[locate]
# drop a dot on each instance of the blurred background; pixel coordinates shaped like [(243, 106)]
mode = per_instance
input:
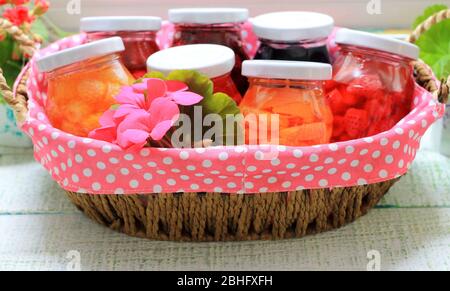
[(369, 14)]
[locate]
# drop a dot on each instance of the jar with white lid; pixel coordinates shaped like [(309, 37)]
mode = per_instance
[(82, 84), (373, 83), (221, 26), (137, 32), (293, 36), (292, 93), (214, 61)]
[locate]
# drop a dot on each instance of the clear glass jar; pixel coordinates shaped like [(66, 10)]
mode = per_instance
[(293, 94), (82, 84), (373, 84), (214, 61), (137, 33), (221, 26), (293, 36)]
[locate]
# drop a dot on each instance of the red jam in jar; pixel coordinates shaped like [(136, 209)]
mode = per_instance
[(293, 93), (137, 33), (293, 36), (221, 26), (373, 85), (214, 61), (82, 84)]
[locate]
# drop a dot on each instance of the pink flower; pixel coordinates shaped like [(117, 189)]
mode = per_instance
[(146, 110), (18, 15)]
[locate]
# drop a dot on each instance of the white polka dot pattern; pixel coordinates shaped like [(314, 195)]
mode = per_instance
[(103, 168)]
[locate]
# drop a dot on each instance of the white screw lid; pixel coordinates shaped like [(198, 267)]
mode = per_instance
[(80, 53), (208, 15), (209, 59), (293, 26), (120, 23), (289, 70), (377, 42)]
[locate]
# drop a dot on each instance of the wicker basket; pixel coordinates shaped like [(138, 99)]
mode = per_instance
[(226, 217)]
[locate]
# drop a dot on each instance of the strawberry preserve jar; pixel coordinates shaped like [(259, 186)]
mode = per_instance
[(293, 36), (292, 93), (82, 84), (373, 84), (137, 33), (221, 26), (214, 61)]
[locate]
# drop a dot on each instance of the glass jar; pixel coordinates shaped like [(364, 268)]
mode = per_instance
[(373, 84), (293, 36), (82, 84), (221, 26), (214, 61), (137, 33), (286, 104)]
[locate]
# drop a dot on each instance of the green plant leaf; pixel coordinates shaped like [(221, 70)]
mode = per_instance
[(427, 13), (221, 104), (197, 82), (40, 29), (435, 48)]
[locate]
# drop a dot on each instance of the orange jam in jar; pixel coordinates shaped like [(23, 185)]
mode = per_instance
[(286, 103), (82, 84)]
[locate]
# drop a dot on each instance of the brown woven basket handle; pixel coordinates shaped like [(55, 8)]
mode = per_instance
[(440, 93), (27, 46)]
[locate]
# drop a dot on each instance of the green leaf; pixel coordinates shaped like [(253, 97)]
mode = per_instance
[(435, 48), (427, 13), (221, 104), (40, 29), (197, 82)]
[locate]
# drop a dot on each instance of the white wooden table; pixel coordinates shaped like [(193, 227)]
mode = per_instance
[(41, 230)]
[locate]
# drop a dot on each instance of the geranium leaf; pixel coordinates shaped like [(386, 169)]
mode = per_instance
[(427, 13), (435, 48)]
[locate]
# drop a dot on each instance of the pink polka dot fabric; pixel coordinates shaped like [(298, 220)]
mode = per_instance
[(88, 166)]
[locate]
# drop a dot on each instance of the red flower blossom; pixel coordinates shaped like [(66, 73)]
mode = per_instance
[(40, 7), (18, 15)]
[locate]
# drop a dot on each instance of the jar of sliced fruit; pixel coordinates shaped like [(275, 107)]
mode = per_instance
[(373, 84), (82, 84), (285, 103)]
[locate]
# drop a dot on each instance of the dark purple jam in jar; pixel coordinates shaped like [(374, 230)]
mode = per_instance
[(293, 36)]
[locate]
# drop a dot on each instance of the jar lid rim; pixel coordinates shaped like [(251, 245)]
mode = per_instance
[(291, 26), (209, 59), (290, 70), (346, 36), (120, 23), (80, 53), (208, 15)]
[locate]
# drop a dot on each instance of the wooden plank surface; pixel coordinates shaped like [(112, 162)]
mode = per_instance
[(407, 239), (39, 227)]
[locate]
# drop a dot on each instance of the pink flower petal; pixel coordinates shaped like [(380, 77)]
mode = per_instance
[(133, 138), (186, 98), (140, 88), (176, 86), (125, 110), (128, 96), (161, 129), (163, 109), (107, 119), (105, 133), (155, 88)]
